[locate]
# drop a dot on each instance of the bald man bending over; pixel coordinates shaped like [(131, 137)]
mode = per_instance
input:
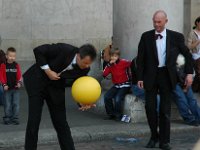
[(156, 61)]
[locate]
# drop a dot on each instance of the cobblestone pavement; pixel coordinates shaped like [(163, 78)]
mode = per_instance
[(179, 141)]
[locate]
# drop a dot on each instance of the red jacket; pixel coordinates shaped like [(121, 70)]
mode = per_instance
[(4, 74), (119, 71)]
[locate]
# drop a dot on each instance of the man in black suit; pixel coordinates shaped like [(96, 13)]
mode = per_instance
[(156, 61), (57, 66)]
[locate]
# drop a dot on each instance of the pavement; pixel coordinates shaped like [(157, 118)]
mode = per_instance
[(85, 126), (182, 141)]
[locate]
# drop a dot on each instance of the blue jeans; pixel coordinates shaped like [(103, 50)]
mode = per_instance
[(116, 94), (140, 93), (187, 104), (1, 95), (11, 105)]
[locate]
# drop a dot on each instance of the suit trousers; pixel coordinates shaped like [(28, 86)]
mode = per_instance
[(55, 99), (162, 87)]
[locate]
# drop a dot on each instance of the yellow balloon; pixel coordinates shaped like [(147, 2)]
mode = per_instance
[(86, 90)]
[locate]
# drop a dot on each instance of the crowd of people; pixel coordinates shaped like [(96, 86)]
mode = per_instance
[(157, 75)]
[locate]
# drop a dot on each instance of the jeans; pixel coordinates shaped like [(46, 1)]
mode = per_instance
[(187, 104), (116, 94), (1, 95), (11, 105), (140, 94)]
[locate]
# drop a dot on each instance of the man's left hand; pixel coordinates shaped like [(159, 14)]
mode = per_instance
[(188, 80), (86, 106)]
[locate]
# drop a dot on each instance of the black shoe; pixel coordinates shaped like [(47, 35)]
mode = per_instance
[(151, 143), (165, 146), (194, 123), (110, 117), (15, 122), (7, 122)]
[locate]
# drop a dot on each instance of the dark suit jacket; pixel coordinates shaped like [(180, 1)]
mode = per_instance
[(58, 57), (147, 59)]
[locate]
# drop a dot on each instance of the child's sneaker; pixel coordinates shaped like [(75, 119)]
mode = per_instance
[(126, 118), (7, 122), (15, 122)]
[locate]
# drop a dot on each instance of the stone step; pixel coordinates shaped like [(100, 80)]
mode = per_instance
[(134, 107)]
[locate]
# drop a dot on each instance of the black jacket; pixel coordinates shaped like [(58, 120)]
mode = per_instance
[(147, 59), (58, 57)]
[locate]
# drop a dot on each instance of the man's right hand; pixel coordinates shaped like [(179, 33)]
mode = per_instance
[(140, 84), (51, 74), (5, 88)]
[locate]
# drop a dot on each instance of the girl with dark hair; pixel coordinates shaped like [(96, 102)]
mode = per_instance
[(194, 46)]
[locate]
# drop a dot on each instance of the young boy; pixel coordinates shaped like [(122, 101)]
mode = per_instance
[(119, 69), (10, 76)]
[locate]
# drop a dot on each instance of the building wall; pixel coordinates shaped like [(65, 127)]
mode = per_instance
[(133, 17), (25, 24), (195, 10), (187, 17), (191, 12)]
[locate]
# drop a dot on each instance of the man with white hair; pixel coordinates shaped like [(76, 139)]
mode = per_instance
[(156, 73)]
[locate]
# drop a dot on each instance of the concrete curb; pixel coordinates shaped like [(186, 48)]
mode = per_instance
[(87, 134)]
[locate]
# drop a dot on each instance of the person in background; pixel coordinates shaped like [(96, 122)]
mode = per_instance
[(194, 46), (119, 69), (11, 80), (184, 97), (2, 60)]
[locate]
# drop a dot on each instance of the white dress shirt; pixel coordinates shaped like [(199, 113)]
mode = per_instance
[(161, 48)]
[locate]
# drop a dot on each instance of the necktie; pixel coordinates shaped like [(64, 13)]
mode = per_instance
[(158, 36)]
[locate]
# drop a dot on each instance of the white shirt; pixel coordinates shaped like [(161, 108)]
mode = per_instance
[(69, 67), (161, 48), (197, 55)]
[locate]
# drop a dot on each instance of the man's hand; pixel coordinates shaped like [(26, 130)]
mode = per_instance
[(18, 85), (5, 88), (51, 74), (86, 106), (140, 84), (188, 80)]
